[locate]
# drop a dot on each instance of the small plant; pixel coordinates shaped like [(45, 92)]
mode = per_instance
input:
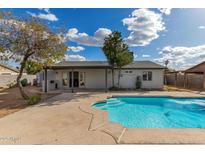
[(138, 83), (114, 88), (24, 82), (167, 88), (34, 100)]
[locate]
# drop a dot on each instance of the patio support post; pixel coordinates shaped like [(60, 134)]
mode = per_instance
[(106, 80), (45, 80), (72, 82)]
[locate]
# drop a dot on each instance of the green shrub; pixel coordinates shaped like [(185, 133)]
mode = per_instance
[(138, 83), (34, 100), (114, 88), (24, 82)]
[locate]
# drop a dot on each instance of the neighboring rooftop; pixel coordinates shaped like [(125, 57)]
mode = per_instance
[(197, 68), (10, 68), (104, 64), (144, 64)]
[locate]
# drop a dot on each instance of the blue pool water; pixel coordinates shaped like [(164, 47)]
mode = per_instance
[(155, 112)]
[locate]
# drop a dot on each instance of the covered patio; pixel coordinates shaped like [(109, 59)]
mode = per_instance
[(73, 71)]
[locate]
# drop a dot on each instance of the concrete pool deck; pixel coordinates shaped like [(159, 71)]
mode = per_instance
[(70, 119)]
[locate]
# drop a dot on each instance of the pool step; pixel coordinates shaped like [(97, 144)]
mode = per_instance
[(114, 102)]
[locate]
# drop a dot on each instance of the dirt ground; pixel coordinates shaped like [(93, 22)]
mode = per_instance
[(11, 100)]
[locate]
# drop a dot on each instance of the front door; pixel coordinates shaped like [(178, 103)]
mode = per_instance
[(75, 79)]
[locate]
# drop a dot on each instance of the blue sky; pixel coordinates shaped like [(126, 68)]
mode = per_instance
[(152, 34)]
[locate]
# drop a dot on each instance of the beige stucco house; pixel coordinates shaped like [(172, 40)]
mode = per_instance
[(71, 75)]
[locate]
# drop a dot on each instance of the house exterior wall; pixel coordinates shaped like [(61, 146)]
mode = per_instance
[(95, 78), (9, 80), (157, 80), (128, 80)]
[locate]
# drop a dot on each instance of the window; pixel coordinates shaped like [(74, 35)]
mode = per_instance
[(147, 76)]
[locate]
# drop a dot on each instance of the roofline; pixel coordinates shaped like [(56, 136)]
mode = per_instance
[(94, 67), (77, 67), (101, 67), (12, 69), (187, 70)]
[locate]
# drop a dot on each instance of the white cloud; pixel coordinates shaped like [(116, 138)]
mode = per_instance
[(76, 49), (74, 58), (47, 15), (145, 56), (166, 11), (47, 10), (182, 57), (201, 27), (135, 56), (144, 25), (83, 38)]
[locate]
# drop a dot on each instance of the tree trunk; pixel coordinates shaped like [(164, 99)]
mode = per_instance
[(119, 73), (23, 63), (113, 83)]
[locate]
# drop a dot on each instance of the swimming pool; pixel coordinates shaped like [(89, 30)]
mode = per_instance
[(155, 112)]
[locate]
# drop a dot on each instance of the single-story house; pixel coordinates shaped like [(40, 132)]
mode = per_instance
[(98, 75), (7, 70)]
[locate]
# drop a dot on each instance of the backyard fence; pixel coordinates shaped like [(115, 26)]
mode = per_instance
[(9, 80), (190, 81)]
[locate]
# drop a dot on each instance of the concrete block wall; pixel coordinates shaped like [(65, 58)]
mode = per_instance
[(5, 80)]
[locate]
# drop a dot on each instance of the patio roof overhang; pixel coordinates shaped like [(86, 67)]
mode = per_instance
[(92, 67)]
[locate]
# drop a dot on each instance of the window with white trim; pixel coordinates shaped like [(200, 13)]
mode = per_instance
[(147, 76)]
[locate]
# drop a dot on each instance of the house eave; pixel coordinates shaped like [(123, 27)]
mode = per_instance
[(92, 67)]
